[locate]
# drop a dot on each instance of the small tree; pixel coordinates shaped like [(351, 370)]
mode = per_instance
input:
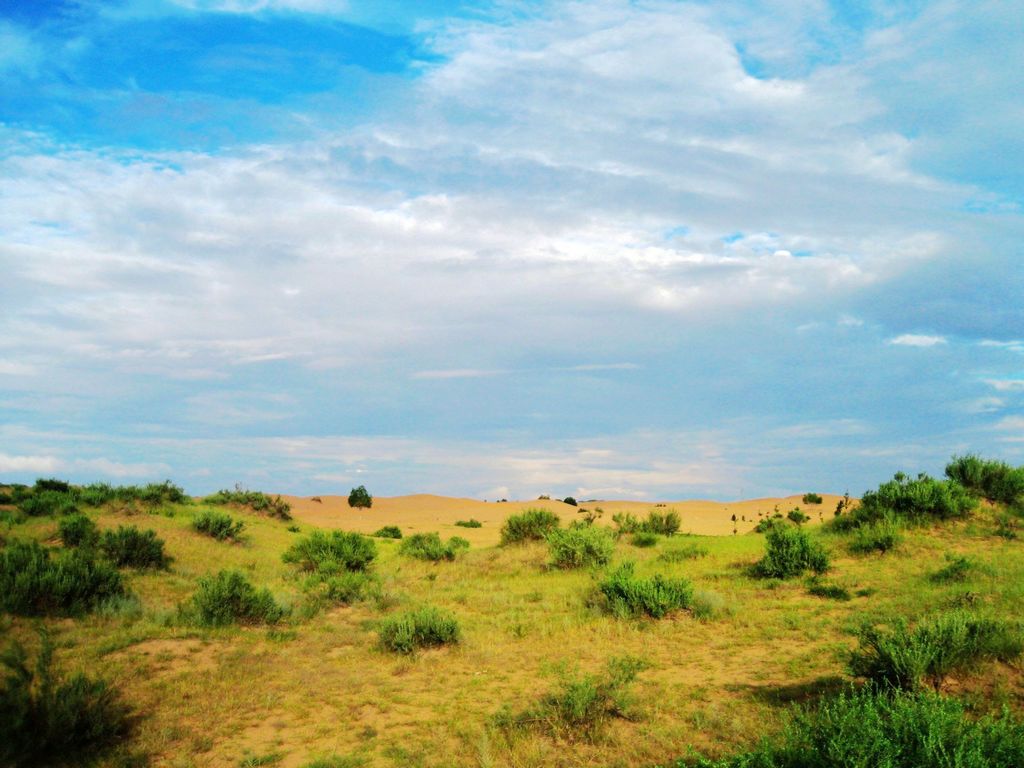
[(360, 497)]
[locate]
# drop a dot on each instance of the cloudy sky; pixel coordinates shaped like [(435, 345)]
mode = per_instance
[(641, 249)]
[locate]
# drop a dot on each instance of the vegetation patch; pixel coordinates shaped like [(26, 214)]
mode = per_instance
[(78, 530), (580, 546), (958, 568), (389, 532), (644, 539), (994, 480), (626, 595), (227, 597), (797, 516), (471, 523), (274, 506), (218, 525), (910, 501), (812, 498), (333, 552), (129, 547), (882, 536), (48, 502), (531, 525), (360, 498), (828, 590), (428, 546), (657, 522), (424, 627), (686, 552), (33, 583), (790, 552)]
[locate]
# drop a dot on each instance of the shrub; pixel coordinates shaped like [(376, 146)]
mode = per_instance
[(51, 484), (765, 525), (644, 539), (569, 500), (626, 595), (428, 546), (48, 502), (390, 532), (424, 627), (995, 480), (360, 497), (228, 598), (128, 546), (679, 554), (32, 583), (6, 498), (330, 553), (471, 523), (951, 642), (812, 498), (78, 531), (957, 569), (797, 516), (581, 706), (274, 506), (346, 587), (708, 606), (788, 553), (910, 501), (901, 730), (662, 523), (880, 536), (46, 721), (625, 522), (580, 547), (531, 525), (219, 525)]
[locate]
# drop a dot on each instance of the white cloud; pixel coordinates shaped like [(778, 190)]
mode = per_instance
[(917, 340), (457, 373), (1006, 385), (107, 468), (41, 464)]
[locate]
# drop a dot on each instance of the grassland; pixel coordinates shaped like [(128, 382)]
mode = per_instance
[(318, 685)]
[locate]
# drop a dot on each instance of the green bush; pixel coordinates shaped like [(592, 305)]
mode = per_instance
[(812, 498), (390, 532), (951, 642), (78, 530), (424, 627), (274, 506), (797, 516), (98, 494), (531, 525), (581, 706), (686, 552), (346, 587), (428, 546), (360, 497), (219, 525), (471, 523), (227, 597), (47, 721), (580, 547), (130, 547), (789, 552), (995, 480), (330, 553), (644, 539), (627, 595), (882, 535), (661, 523), (32, 583), (708, 606), (862, 729), (48, 502), (910, 501), (51, 484), (570, 501)]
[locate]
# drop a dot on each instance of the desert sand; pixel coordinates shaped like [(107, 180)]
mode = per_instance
[(421, 513)]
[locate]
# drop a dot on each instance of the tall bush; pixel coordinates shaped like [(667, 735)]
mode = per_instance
[(34, 583), (530, 525), (580, 547), (328, 553), (129, 547), (789, 552)]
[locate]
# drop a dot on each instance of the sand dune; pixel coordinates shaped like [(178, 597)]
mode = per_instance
[(425, 512)]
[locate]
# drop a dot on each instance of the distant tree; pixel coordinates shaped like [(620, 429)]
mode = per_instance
[(360, 497), (569, 500)]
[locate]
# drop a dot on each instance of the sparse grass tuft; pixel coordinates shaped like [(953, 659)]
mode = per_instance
[(531, 525), (580, 547), (685, 552), (958, 568), (424, 627), (627, 595)]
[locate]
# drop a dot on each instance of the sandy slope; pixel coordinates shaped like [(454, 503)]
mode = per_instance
[(424, 512)]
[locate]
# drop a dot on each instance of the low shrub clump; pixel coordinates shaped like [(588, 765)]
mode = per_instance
[(471, 523), (995, 480), (98, 494), (679, 554), (46, 720), (428, 546), (910, 501), (129, 547), (900, 730), (660, 523), (883, 535), (47, 501), (227, 598), (581, 706), (789, 552), (797, 516), (531, 525), (644, 539), (329, 553), (812, 498), (78, 530), (424, 627), (274, 506), (708, 606), (627, 595), (946, 644), (32, 583), (219, 525), (389, 532), (579, 547), (347, 587), (958, 568)]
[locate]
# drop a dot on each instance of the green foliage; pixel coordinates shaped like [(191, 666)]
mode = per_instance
[(51, 484), (330, 553), (424, 627), (360, 497), (708, 606), (797, 516), (78, 530), (47, 721), (530, 525), (812, 498), (958, 568), (661, 523), (580, 547), (219, 525), (346, 587), (569, 500), (274, 506), (471, 523), (950, 642), (765, 525), (98, 494), (390, 532), (428, 546), (644, 539), (901, 730), (685, 552), (627, 595), (337, 761), (129, 547), (48, 501), (227, 597), (910, 501), (789, 552), (995, 480), (581, 706), (882, 535), (32, 583)]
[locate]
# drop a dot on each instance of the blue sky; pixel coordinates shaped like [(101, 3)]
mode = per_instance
[(608, 249)]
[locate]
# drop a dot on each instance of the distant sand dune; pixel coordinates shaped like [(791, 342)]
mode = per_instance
[(425, 512)]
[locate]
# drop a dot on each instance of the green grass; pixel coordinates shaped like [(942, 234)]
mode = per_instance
[(330, 553), (428, 546), (627, 595), (580, 546), (425, 627)]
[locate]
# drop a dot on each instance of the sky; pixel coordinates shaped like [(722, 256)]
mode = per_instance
[(610, 249)]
